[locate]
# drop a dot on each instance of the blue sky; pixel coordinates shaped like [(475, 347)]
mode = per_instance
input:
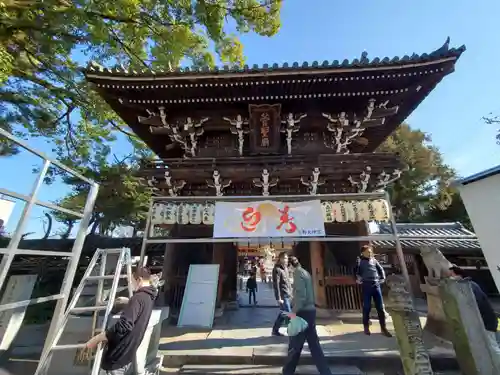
[(331, 29)]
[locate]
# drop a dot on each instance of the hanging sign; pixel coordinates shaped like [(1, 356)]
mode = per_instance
[(268, 219)]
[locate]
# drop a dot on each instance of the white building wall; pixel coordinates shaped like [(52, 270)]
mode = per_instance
[(482, 201)]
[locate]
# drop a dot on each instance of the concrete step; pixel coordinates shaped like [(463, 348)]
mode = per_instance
[(257, 370), (276, 370), (386, 364)]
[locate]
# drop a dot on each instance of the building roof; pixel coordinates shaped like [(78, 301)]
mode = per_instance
[(400, 83), (426, 231), (444, 52), (479, 176)]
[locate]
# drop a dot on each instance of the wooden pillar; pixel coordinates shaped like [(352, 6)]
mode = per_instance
[(167, 272), (218, 258), (168, 260), (362, 231), (318, 273)]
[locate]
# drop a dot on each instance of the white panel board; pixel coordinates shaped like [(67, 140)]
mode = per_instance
[(19, 288), (200, 295), (482, 201)]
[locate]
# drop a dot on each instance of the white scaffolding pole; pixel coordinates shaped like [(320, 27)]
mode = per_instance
[(13, 247), (399, 248), (146, 234)]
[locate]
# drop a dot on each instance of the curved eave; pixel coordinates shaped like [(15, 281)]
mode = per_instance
[(118, 75), (444, 54)]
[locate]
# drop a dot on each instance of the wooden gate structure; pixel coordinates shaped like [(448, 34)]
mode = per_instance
[(296, 132)]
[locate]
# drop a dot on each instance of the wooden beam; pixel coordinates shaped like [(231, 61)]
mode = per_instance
[(218, 258), (317, 273)]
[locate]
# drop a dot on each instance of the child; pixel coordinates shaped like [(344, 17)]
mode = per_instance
[(252, 288)]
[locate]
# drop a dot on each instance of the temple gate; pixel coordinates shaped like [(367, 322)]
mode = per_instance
[(281, 133)]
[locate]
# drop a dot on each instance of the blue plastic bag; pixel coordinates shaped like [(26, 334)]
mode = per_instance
[(296, 325)]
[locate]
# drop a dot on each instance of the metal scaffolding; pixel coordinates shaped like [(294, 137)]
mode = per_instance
[(338, 238), (147, 239), (12, 249)]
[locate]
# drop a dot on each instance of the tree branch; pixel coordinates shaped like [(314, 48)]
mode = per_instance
[(127, 49), (117, 127)]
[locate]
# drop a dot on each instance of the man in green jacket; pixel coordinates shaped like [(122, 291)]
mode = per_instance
[(304, 307)]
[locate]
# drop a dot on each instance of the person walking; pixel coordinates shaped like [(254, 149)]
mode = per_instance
[(370, 274), (304, 307), (124, 337), (252, 289), (485, 308), (262, 270), (282, 291)]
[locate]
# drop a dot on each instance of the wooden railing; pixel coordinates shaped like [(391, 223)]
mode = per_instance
[(342, 292), (175, 292)]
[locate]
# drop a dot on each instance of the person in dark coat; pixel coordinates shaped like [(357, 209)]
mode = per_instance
[(370, 274), (252, 288), (282, 291), (304, 307), (485, 308), (124, 337)]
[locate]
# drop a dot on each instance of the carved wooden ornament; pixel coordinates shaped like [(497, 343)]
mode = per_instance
[(265, 123)]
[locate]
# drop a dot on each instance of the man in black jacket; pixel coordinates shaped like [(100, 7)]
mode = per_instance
[(282, 291), (124, 337), (370, 275)]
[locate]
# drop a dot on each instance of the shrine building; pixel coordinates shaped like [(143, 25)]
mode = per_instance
[(297, 130)]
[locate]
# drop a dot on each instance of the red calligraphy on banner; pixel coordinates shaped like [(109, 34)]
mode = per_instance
[(251, 219), (286, 220)]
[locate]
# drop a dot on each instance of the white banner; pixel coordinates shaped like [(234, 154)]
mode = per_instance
[(268, 219)]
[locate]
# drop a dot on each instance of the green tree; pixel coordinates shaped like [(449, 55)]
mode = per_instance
[(425, 185), (123, 200), (73, 202), (44, 43), (454, 212)]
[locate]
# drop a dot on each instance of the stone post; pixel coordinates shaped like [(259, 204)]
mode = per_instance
[(414, 355), (474, 354), (436, 322)]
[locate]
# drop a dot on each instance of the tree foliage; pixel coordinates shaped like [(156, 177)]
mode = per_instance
[(423, 192), (44, 43), (123, 200), (454, 212), (43, 46)]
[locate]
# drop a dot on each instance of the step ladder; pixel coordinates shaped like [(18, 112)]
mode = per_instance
[(124, 259)]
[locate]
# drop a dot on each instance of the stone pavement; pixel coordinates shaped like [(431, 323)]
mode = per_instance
[(265, 295)]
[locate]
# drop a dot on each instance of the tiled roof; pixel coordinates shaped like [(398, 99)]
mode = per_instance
[(426, 231), (363, 62)]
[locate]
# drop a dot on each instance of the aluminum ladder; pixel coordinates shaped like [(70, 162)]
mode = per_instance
[(124, 259)]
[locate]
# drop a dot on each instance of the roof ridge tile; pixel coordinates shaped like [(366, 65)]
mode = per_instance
[(363, 61)]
